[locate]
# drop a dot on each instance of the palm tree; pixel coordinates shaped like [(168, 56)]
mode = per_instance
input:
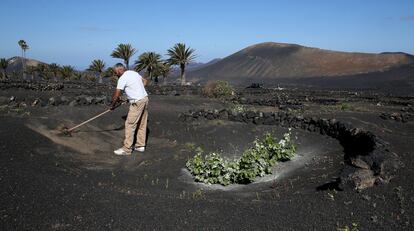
[(55, 70), (149, 61), (31, 70), (67, 72), (90, 77), (78, 75), (109, 73), (43, 71), (97, 66), (15, 74), (23, 45), (47, 75), (163, 69), (125, 52), (3, 65), (180, 55)]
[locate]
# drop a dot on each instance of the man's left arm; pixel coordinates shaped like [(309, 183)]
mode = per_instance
[(144, 81)]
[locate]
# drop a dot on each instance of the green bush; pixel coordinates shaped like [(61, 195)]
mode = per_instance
[(255, 161), (218, 89), (345, 107)]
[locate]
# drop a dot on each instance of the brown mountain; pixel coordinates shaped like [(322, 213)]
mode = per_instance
[(271, 62), (192, 67), (15, 63)]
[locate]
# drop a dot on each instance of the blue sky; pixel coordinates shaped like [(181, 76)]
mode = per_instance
[(76, 32)]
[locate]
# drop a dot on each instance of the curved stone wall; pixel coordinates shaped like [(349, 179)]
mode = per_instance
[(368, 161)]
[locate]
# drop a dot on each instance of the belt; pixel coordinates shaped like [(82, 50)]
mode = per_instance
[(131, 101)]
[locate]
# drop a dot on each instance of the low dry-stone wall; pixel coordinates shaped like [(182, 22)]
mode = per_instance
[(174, 90), (367, 157), (36, 86), (281, 103), (55, 86), (81, 100)]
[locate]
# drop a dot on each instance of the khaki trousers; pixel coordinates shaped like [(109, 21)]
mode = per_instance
[(136, 125)]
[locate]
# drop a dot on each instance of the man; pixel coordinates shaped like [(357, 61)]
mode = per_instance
[(136, 122)]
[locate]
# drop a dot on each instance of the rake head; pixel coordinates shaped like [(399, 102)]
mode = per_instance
[(64, 131)]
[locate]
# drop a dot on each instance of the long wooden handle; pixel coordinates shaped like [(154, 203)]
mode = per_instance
[(89, 120)]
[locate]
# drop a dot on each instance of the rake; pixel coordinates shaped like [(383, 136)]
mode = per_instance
[(68, 131)]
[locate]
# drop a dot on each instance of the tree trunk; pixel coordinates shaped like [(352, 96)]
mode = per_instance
[(23, 66), (57, 76), (164, 80), (127, 64), (100, 78), (182, 67)]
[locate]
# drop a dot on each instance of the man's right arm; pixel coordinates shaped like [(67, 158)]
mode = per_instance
[(115, 98)]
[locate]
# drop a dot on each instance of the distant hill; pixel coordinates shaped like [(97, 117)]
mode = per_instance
[(193, 67), (15, 63), (201, 65), (271, 62)]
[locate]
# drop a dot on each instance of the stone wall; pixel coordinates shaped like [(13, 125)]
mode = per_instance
[(174, 90), (80, 100), (36, 86)]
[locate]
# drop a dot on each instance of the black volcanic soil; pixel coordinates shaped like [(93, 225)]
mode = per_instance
[(53, 182)]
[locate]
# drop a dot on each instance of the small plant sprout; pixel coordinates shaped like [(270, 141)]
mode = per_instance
[(257, 196), (190, 146), (198, 194), (182, 195)]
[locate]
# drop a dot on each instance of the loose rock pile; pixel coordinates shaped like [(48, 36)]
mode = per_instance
[(368, 160), (406, 114), (80, 100)]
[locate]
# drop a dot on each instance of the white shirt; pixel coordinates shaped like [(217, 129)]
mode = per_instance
[(131, 83)]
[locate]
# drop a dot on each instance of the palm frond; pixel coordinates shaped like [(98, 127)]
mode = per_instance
[(67, 71), (125, 52), (97, 65), (4, 63), (181, 55), (148, 61)]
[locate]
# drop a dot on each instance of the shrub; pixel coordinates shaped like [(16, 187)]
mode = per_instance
[(345, 107), (237, 108), (218, 89), (255, 161)]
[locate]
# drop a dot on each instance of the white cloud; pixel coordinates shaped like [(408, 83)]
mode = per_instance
[(407, 18)]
